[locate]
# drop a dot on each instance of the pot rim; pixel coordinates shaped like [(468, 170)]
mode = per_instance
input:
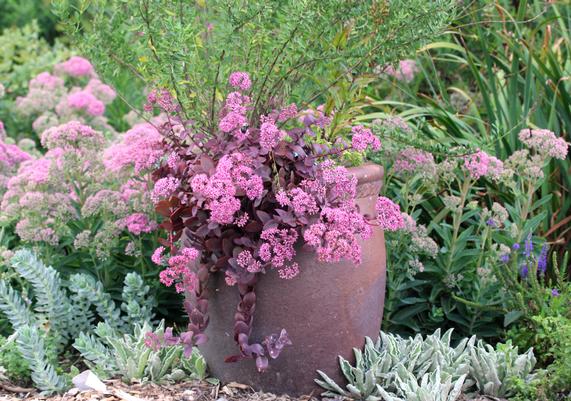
[(368, 172)]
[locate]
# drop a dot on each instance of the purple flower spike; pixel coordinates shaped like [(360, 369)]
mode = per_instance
[(505, 258), (542, 260), (524, 271), (491, 223), (515, 246), (528, 246), (554, 292)]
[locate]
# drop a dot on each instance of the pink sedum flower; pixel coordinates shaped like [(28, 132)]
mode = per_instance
[(411, 160), (140, 148), (76, 67), (165, 188), (270, 134), (240, 80), (480, 164), (84, 100), (157, 256), (138, 223), (180, 271), (544, 142), (363, 138), (389, 215)]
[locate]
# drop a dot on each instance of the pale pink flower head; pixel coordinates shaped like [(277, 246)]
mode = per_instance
[(240, 80), (72, 135), (76, 67), (362, 138), (103, 92), (411, 160), (46, 81), (389, 215), (405, 70), (84, 100), (481, 164), (544, 142), (138, 223), (140, 148)]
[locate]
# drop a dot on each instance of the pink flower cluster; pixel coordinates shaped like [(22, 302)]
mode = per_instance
[(76, 67), (411, 160), (544, 142), (140, 148), (270, 134), (240, 80), (72, 135), (180, 271), (278, 249), (246, 261), (11, 156), (405, 70), (86, 101), (362, 138), (165, 188), (389, 215), (234, 120), (480, 164), (138, 223), (51, 102), (163, 100), (287, 113), (233, 172), (301, 202), (334, 237)]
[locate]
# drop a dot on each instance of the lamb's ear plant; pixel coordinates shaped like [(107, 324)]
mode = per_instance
[(130, 357), (416, 368), (496, 369)]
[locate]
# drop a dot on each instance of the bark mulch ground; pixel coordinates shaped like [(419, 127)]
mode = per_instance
[(187, 391)]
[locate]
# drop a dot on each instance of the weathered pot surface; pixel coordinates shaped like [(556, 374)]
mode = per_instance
[(327, 310)]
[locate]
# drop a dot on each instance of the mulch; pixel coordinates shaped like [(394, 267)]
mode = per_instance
[(186, 391)]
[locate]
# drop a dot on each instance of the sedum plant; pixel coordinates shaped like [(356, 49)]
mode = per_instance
[(416, 368), (61, 314), (130, 356)]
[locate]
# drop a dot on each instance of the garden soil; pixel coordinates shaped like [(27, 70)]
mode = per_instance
[(187, 391)]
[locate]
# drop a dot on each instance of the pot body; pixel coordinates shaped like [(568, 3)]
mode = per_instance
[(327, 310)]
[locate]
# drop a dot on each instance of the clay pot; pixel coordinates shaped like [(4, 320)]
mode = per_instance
[(327, 310)]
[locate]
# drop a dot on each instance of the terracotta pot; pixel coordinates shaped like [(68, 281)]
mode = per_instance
[(327, 310)]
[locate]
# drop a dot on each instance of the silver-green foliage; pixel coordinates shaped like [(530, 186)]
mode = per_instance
[(52, 305), (428, 369), (137, 304), (431, 387), (13, 306), (127, 356), (494, 369), (60, 315), (32, 346)]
